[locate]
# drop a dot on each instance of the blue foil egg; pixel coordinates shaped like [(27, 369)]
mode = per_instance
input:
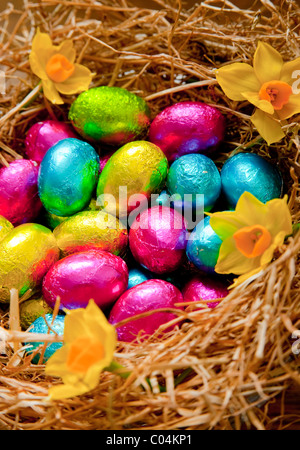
[(250, 172), (68, 176), (203, 247), (41, 326), (194, 174), (138, 276)]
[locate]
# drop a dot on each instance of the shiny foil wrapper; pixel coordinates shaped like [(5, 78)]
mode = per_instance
[(5, 227), (138, 276), (158, 239), (43, 135), (91, 229), (187, 127), (204, 289), (203, 247), (32, 309), (26, 254), (191, 175), (40, 325), (19, 199), (82, 276), (111, 115), (68, 176), (147, 296), (252, 173), (140, 167)]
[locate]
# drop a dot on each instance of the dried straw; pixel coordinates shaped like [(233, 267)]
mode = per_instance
[(220, 369)]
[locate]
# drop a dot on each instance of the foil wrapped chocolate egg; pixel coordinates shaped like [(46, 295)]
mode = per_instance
[(68, 176), (5, 227), (137, 276), (147, 296), (19, 199), (104, 158), (32, 309), (203, 247), (111, 115), (82, 276), (46, 325), (196, 179), (187, 127), (252, 173), (134, 172), (43, 135), (26, 254), (204, 289), (157, 239), (91, 229)]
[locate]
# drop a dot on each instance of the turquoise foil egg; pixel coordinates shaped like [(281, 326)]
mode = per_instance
[(40, 325), (252, 173), (68, 176), (138, 276), (203, 247)]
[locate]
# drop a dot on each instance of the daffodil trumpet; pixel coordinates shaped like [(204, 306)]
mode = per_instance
[(268, 85)]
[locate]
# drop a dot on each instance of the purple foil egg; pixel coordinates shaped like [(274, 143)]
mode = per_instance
[(158, 239), (92, 274), (43, 135), (203, 289), (147, 296), (187, 127), (19, 200)]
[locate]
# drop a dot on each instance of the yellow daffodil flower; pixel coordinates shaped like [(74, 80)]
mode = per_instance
[(250, 234), (89, 345), (56, 68), (268, 85)]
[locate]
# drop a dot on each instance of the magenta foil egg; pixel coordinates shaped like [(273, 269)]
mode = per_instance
[(187, 127), (147, 296), (43, 135), (92, 274), (205, 289), (19, 200), (158, 238)]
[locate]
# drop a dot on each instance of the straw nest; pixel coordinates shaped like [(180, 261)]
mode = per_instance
[(234, 360)]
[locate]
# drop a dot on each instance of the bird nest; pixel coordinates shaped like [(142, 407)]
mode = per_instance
[(220, 368)]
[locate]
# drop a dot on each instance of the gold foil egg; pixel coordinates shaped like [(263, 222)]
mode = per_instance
[(91, 229), (5, 227), (26, 254), (32, 309), (138, 167)]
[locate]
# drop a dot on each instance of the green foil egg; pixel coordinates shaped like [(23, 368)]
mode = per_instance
[(32, 309), (111, 115), (5, 227), (138, 167), (26, 254), (92, 229)]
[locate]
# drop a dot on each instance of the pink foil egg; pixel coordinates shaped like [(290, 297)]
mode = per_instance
[(43, 135), (204, 289), (92, 274), (158, 238), (187, 127), (104, 158), (144, 297), (19, 200)]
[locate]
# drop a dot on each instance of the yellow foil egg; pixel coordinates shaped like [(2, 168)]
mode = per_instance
[(131, 175), (5, 227), (32, 309), (92, 229), (26, 254)]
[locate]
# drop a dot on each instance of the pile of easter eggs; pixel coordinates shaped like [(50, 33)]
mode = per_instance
[(110, 207)]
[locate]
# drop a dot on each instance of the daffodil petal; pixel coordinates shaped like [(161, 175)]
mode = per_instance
[(267, 62), (291, 108), (237, 78), (288, 69), (68, 390), (268, 254), (66, 49), (37, 67), (41, 51), (225, 223), (231, 260), (79, 81), (51, 93), (278, 217), (253, 98), (242, 278), (251, 209), (269, 129)]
